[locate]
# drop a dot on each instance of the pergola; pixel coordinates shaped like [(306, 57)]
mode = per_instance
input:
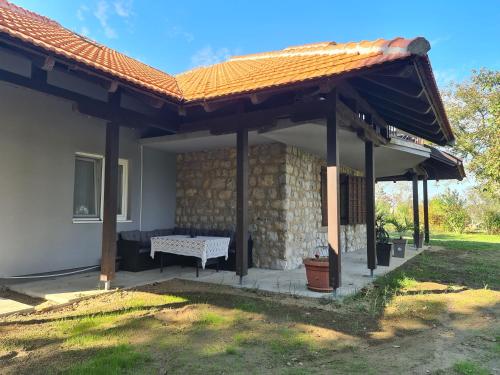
[(395, 89)]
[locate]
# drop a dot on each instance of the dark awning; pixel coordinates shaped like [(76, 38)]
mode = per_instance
[(439, 166)]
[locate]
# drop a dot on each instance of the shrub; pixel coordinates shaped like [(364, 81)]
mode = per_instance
[(492, 222)]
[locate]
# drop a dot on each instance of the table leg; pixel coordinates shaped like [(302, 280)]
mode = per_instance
[(197, 268), (161, 261), (218, 265)]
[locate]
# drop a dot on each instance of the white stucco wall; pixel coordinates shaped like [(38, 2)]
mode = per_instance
[(39, 136)]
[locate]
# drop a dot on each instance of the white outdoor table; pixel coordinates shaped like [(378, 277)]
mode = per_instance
[(202, 247)]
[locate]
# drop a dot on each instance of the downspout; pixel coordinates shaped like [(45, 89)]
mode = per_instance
[(140, 198)]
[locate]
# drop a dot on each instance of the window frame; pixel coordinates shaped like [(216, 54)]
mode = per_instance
[(352, 203), (125, 165)]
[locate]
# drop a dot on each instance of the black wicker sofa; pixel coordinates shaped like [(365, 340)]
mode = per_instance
[(134, 248)]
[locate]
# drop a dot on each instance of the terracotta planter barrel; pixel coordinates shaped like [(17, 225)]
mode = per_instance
[(317, 272)]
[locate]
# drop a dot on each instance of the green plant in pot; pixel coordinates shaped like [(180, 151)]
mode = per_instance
[(383, 241), (401, 226)]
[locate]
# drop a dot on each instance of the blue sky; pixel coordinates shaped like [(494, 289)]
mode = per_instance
[(178, 35)]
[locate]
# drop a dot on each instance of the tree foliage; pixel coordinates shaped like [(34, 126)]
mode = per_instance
[(473, 107), (452, 210)]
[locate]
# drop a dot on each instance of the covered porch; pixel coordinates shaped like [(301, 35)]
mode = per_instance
[(69, 289)]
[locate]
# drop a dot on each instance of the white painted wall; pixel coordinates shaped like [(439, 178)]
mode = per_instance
[(39, 136)]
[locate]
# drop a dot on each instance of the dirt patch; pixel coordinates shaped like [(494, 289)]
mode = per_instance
[(401, 326)]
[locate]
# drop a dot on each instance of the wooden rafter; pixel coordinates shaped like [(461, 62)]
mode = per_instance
[(387, 96), (86, 105)]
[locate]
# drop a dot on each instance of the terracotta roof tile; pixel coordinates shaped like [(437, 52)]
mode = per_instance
[(244, 74), (239, 75), (49, 35)]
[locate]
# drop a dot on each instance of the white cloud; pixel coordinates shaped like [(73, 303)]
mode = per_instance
[(102, 15), (123, 8), (176, 31), (81, 12), (209, 56)]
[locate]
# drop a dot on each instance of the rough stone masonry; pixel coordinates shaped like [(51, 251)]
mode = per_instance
[(284, 205)]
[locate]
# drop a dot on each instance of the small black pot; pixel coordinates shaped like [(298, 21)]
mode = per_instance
[(383, 253), (399, 247)]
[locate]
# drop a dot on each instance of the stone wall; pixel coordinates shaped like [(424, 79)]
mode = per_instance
[(206, 196), (284, 206), (304, 232)]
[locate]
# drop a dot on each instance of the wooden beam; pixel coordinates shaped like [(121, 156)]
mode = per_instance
[(258, 98), (108, 251), (361, 105), (258, 118), (426, 212), (350, 119), (111, 86), (370, 206), (397, 84), (432, 133), (420, 120), (385, 95), (416, 219), (333, 192), (84, 104), (242, 203)]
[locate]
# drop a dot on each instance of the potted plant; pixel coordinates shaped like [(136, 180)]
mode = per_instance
[(383, 243), (317, 273), (401, 226)]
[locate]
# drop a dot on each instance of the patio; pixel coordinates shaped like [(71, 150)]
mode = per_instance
[(69, 289)]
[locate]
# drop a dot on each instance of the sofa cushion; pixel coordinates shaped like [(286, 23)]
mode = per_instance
[(131, 235), (146, 238), (162, 232)]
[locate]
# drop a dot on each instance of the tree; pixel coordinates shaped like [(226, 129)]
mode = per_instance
[(455, 214), (473, 108)]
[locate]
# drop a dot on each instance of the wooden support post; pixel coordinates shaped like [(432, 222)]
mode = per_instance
[(370, 206), (333, 193), (242, 203), (416, 219), (426, 213), (108, 256)]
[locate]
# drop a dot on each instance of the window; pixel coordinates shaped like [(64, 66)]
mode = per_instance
[(87, 193), (88, 188), (352, 199)]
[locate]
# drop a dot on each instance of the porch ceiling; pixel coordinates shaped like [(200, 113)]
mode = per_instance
[(394, 158)]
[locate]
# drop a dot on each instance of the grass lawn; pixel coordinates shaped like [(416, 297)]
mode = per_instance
[(437, 314)]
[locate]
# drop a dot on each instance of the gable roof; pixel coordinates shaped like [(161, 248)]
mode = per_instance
[(293, 65), (241, 75)]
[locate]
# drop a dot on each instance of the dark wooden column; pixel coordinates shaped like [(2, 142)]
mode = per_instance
[(242, 203), (333, 193), (370, 206), (426, 213), (416, 219), (110, 203)]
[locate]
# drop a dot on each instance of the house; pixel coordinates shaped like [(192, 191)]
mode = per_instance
[(285, 144)]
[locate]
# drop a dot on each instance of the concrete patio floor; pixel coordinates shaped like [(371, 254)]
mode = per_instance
[(69, 289)]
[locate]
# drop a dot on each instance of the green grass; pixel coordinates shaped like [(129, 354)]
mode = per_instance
[(466, 241), (469, 368), (216, 330), (459, 241), (121, 359), (469, 259)]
